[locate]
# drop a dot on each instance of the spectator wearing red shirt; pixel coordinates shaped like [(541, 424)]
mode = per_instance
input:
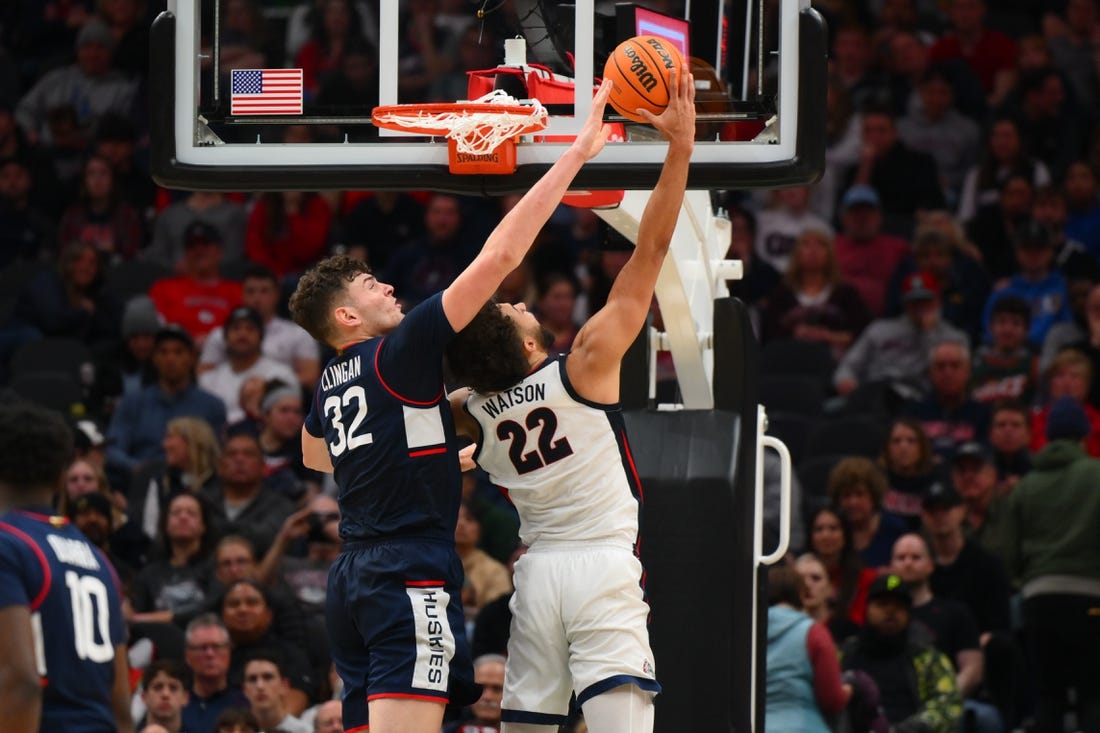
[(867, 257), (287, 232), (199, 299), (990, 53), (1070, 376), (335, 26)]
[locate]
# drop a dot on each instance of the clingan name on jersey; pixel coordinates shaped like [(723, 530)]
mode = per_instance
[(339, 373), (517, 395), (73, 552)]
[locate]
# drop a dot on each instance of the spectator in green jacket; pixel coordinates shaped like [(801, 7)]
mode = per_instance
[(915, 681), (1053, 516)]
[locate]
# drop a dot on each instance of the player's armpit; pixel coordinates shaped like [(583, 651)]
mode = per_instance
[(315, 453), (20, 685)]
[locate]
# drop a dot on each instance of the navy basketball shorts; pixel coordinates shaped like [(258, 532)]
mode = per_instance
[(396, 625)]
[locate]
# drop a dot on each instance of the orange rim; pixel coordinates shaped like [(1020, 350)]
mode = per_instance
[(448, 108)]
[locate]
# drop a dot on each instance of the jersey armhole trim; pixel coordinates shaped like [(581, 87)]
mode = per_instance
[(393, 392), (46, 574), (605, 406)]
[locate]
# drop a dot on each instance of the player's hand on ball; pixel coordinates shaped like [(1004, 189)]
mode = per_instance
[(677, 122)]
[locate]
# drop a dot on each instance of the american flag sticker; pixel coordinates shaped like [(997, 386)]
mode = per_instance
[(265, 92)]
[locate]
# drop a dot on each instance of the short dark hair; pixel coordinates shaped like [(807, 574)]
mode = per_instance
[(1012, 305), (36, 446), (234, 718), (170, 667), (266, 654), (487, 355), (319, 289), (1008, 405), (259, 272)]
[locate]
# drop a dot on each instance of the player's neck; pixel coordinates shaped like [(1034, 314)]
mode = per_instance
[(535, 359)]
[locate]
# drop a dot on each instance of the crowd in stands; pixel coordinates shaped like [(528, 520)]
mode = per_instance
[(929, 314)]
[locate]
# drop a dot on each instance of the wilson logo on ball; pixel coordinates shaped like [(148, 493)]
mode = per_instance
[(640, 70)]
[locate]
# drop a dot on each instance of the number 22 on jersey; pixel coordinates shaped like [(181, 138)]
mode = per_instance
[(547, 451)]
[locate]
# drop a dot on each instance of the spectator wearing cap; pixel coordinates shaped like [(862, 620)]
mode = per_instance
[(198, 299), (93, 515), (963, 571), (964, 285), (1053, 515), (90, 86), (916, 681), (243, 333), (975, 479), (937, 128), (949, 624), (896, 349), (1040, 285), (1005, 368), (134, 361), (1010, 441), (284, 340), (867, 257), (208, 207), (280, 434), (140, 420), (1070, 375), (906, 181), (948, 414)]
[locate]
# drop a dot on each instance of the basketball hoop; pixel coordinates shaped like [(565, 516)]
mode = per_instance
[(481, 134)]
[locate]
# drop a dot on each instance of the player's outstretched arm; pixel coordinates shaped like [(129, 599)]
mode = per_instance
[(506, 247), (20, 686), (599, 347)]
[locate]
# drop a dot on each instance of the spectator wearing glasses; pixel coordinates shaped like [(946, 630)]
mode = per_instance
[(948, 414), (207, 655)]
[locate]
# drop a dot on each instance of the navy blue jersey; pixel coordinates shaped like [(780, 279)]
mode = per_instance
[(75, 602), (382, 409)]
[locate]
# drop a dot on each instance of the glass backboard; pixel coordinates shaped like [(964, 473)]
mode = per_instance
[(760, 74)]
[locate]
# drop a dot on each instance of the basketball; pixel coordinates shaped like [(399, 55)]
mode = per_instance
[(640, 69)]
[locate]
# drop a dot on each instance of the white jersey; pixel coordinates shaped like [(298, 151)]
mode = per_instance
[(564, 460)]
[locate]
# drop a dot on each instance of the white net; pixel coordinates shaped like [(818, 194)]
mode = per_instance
[(475, 132)]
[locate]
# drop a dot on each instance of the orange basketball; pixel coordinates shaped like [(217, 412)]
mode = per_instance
[(639, 69)]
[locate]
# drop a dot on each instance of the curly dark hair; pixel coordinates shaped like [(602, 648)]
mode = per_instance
[(487, 356), (318, 291), (36, 447)]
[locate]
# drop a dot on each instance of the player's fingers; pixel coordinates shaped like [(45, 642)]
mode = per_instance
[(646, 115)]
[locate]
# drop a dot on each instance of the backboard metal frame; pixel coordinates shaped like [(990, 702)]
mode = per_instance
[(186, 155)]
